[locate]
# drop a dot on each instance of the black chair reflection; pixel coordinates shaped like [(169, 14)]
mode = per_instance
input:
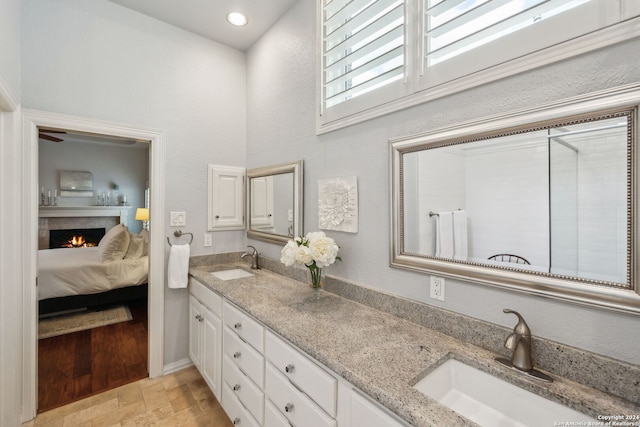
[(509, 258)]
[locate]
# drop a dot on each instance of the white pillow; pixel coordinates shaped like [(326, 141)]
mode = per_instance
[(113, 246), (137, 246)]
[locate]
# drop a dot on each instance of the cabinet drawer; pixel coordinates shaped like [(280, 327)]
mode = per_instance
[(273, 417), (299, 409), (245, 390), (301, 371), (247, 328), (244, 357), (237, 413), (207, 297)]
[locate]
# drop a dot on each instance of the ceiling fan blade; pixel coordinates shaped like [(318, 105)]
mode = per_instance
[(49, 137)]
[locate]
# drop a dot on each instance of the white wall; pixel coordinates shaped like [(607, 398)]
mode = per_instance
[(100, 60), (10, 47), (10, 236), (281, 127), (127, 167)]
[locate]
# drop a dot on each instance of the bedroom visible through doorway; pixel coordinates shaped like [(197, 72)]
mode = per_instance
[(92, 265)]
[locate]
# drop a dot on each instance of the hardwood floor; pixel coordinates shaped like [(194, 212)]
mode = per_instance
[(81, 364)]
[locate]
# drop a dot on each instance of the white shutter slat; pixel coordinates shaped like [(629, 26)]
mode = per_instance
[(364, 25), (360, 75), (390, 76), (384, 44)]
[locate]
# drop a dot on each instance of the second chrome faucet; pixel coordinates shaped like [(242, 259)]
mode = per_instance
[(519, 342), (254, 258)]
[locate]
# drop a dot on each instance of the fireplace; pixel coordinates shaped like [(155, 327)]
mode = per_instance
[(75, 237)]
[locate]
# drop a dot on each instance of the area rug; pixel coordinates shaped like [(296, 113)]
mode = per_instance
[(67, 323)]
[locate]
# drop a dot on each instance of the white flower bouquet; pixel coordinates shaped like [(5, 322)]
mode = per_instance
[(315, 251)]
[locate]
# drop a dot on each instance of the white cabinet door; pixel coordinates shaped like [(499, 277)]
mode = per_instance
[(212, 352), (262, 202), (195, 332), (226, 198), (356, 410), (205, 335)]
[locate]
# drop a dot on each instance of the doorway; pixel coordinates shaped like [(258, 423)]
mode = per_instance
[(92, 323), (32, 122)]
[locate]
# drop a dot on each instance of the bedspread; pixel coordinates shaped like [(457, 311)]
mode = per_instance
[(79, 271)]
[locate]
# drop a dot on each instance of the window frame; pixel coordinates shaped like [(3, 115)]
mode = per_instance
[(412, 91)]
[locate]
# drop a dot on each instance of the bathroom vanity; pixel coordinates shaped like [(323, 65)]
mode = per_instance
[(289, 354)]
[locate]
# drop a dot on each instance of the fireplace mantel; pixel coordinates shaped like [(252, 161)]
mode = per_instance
[(85, 211)]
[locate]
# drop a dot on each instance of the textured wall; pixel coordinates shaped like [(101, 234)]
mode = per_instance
[(281, 126)]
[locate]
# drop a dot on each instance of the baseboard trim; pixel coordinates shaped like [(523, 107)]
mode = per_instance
[(176, 366)]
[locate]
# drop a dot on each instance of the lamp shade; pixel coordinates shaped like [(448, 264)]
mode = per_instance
[(142, 214)]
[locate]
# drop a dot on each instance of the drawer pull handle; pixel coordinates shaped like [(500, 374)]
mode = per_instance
[(236, 355), (236, 421), (288, 407), (289, 368), (236, 387), (237, 325)]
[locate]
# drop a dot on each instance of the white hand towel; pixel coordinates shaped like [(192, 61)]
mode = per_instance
[(444, 235), (460, 235), (178, 269)]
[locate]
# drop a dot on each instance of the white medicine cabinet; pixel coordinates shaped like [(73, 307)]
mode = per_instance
[(226, 198)]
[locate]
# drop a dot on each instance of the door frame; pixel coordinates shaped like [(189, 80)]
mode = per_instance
[(31, 121)]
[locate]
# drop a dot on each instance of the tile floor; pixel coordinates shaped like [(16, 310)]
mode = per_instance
[(179, 399)]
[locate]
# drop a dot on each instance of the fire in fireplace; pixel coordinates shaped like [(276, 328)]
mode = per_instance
[(75, 238)]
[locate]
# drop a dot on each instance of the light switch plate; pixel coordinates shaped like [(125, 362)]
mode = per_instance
[(178, 219)]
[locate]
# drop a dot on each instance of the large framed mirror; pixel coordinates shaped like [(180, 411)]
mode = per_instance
[(275, 202), (542, 201)]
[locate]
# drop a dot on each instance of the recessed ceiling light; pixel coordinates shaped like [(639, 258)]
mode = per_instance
[(237, 19)]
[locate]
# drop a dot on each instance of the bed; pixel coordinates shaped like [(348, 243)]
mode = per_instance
[(114, 271)]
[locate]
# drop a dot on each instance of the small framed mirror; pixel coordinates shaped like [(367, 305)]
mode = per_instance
[(542, 202), (275, 202)]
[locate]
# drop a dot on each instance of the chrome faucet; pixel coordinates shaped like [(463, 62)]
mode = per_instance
[(254, 258), (519, 342)]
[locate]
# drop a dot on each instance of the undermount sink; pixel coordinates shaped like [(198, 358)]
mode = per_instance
[(235, 273), (490, 401)]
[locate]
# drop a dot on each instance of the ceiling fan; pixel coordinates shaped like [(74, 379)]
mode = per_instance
[(44, 134)]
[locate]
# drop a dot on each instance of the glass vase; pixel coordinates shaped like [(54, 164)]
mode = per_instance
[(315, 278)]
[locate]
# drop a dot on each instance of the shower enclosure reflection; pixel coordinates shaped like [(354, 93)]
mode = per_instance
[(555, 197)]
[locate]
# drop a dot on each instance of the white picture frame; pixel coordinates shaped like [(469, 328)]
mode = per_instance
[(338, 204)]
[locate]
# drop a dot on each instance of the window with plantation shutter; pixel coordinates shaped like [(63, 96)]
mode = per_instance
[(465, 36), (380, 56), (363, 48)]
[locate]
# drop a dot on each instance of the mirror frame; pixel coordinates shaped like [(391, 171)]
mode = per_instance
[(593, 293), (298, 200)]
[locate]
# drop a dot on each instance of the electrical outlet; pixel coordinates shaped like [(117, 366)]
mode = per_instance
[(436, 290), (207, 239), (178, 219)]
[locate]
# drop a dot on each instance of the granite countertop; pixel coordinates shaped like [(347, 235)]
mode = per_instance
[(382, 355)]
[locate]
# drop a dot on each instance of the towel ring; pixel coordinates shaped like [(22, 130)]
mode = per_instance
[(179, 233)]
